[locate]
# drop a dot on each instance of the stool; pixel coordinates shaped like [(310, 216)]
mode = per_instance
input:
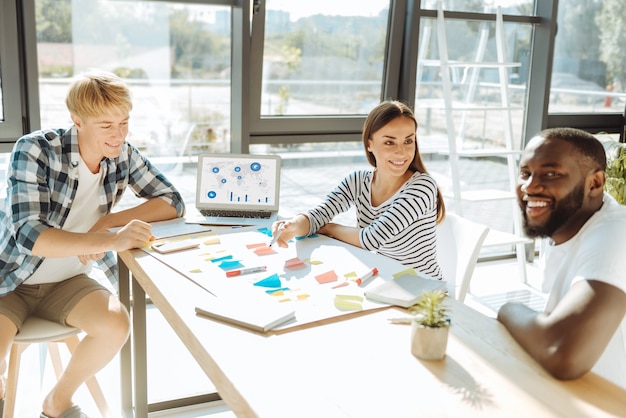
[(37, 330)]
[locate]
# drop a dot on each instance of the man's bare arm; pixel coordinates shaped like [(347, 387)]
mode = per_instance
[(568, 341)]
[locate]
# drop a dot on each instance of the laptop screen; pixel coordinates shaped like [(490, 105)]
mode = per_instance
[(238, 181)]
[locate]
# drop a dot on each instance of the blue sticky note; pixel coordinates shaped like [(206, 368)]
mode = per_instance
[(226, 257), (230, 264), (272, 291), (265, 231), (305, 237), (270, 281)]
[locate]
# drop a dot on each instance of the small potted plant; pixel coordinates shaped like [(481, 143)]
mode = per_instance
[(430, 326)]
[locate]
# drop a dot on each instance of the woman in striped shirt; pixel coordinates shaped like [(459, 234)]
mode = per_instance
[(398, 204)]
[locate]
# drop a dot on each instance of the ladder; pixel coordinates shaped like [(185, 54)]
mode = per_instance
[(456, 135)]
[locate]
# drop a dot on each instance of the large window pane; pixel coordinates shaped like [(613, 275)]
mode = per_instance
[(471, 108), (589, 57), (323, 57), (476, 91), (175, 56), (512, 7), (11, 117)]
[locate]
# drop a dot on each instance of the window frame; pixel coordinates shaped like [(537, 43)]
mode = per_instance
[(302, 129), (12, 126)]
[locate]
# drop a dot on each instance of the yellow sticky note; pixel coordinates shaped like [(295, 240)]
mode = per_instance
[(409, 271), (213, 239), (344, 304)]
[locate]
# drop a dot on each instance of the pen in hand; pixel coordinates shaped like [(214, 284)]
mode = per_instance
[(275, 237)]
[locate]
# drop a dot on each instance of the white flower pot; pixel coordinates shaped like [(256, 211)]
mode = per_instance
[(428, 343)]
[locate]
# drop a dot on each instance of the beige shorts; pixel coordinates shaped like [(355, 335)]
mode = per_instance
[(51, 301)]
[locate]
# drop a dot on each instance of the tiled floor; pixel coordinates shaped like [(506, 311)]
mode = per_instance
[(172, 371)]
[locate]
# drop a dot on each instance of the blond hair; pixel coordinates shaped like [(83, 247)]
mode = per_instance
[(98, 92)]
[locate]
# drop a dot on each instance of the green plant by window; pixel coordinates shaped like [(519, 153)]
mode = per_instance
[(616, 170)]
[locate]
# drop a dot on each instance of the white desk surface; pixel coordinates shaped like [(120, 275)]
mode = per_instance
[(361, 366)]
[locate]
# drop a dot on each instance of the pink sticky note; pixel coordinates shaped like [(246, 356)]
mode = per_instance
[(329, 276), (294, 263), (264, 250)]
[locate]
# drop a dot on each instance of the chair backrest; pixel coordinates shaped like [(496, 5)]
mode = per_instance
[(459, 241)]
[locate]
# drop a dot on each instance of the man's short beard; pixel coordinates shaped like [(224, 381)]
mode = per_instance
[(563, 211)]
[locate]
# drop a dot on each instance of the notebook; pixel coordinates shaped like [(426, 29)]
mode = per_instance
[(259, 317), (237, 189), (403, 290)]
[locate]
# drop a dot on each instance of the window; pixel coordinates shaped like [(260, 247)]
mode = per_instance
[(475, 90), (588, 66), (513, 7), (323, 59), (588, 69), (323, 67), (175, 57), (11, 104)]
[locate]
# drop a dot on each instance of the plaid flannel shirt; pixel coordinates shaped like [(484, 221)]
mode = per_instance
[(42, 182)]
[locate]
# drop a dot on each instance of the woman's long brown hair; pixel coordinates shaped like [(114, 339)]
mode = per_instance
[(380, 116)]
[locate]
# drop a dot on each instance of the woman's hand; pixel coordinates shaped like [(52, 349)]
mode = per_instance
[(284, 231)]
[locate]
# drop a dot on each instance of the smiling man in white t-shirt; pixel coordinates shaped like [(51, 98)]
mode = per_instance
[(561, 193), (62, 187)]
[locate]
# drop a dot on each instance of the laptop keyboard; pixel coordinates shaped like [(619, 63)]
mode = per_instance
[(235, 213)]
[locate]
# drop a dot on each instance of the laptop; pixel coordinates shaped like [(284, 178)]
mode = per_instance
[(237, 189)]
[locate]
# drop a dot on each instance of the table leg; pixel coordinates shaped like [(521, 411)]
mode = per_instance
[(140, 351), (126, 377)]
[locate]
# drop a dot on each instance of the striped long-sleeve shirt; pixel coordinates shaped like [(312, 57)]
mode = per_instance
[(402, 228)]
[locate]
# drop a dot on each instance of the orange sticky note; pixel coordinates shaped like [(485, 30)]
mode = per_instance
[(329, 276)]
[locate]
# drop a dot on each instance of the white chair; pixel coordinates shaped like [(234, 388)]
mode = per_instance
[(37, 330), (459, 241)]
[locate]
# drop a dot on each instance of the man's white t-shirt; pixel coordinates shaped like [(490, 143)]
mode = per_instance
[(596, 252), (83, 215)]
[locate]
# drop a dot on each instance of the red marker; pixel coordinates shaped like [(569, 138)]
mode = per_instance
[(362, 281), (233, 273)]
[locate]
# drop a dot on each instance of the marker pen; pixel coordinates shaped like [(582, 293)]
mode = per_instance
[(239, 272), (275, 237), (362, 281)]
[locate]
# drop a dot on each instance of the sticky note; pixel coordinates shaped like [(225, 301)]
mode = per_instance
[(271, 281), (329, 276), (226, 257), (409, 271), (265, 231), (277, 292), (265, 250), (230, 264), (348, 302), (253, 246), (211, 240), (294, 263)]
